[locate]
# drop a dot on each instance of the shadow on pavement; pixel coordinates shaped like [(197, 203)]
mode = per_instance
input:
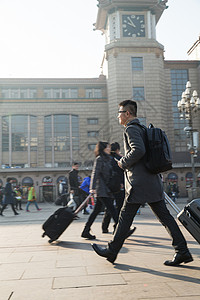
[(125, 267)]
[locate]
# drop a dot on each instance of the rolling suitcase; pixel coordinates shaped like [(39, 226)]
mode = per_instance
[(57, 223), (189, 216)]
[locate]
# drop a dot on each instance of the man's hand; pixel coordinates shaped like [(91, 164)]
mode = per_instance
[(93, 192), (119, 164)]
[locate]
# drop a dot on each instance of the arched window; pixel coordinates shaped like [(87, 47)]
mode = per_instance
[(189, 179), (172, 177), (27, 181), (64, 178)]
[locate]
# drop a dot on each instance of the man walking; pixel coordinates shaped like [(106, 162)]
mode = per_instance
[(9, 197), (140, 187)]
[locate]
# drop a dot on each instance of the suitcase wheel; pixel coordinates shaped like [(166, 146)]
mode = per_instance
[(50, 241), (43, 235)]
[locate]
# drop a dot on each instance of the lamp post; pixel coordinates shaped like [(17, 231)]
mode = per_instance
[(188, 106)]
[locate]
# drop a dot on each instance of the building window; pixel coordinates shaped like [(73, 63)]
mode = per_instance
[(5, 93), (74, 93), (65, 93), (5, 133), (58, 93), (32, 93), (18, 93), (14, 93), (33, 133), (93, 121), (137, 63), (19, 133), (178, 82), (138, 94), (47, 93), (61, 135), (91, 147), (19, 129), (93, 93), (93, 133), (23, 93)]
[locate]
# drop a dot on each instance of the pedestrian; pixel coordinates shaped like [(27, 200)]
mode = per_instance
[(118, 196), (18, 196), (169, 190), (1, 193), (84, 191), (32, 198), (61, 189), (100, 176), (74, 183), (8, 197), (141, 186)]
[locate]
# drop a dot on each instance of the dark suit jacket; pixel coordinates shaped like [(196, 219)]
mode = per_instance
[(73, 179), (9, 198), (141, 186)]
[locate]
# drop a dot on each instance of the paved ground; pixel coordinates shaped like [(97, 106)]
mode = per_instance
[(31, 268)]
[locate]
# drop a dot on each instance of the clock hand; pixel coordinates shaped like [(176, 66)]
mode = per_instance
[(131, 22)]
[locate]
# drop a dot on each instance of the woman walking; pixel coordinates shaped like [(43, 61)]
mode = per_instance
[(9, 197), (31, 198), (100, 176)]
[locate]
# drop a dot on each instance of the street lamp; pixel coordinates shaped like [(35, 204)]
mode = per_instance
[(188, 106)]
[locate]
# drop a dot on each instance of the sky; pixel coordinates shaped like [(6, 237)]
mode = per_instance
[(55, 38)]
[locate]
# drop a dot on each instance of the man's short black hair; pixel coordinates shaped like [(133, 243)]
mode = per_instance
[(75, 163), (115, 146), (130, 105)]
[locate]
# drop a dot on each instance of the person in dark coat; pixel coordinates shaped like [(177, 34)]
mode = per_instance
[(73, 178), (9, 197), (98, 185), (118, 196), (75, 185), (141, 186)]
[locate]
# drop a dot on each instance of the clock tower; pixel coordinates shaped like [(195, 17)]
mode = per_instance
[(135, 59)]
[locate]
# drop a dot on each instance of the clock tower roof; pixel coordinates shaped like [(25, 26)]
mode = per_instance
[(107, 6)]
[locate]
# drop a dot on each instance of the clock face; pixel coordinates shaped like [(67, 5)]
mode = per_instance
[(133, 25)]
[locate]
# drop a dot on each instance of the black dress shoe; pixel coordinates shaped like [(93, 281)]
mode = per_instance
[(130, 232), (104, 252), (179, 258), (105, 231)]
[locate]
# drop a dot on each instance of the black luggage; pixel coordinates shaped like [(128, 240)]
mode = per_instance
[(62, 200), (189, 216), (56, 224)]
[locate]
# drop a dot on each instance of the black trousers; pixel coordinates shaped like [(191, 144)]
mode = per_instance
[(160, 210), (100, 201), (119, 199), (5, 205)]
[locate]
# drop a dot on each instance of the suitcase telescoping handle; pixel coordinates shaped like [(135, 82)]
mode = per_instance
[(172, 204), (82, 205)]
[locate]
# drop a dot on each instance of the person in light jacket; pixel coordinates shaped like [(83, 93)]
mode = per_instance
[(31, 198)]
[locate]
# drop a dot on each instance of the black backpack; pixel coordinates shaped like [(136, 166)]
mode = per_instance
[(158, 156)]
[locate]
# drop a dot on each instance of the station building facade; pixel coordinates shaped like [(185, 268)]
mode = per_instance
[(47, 123)]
